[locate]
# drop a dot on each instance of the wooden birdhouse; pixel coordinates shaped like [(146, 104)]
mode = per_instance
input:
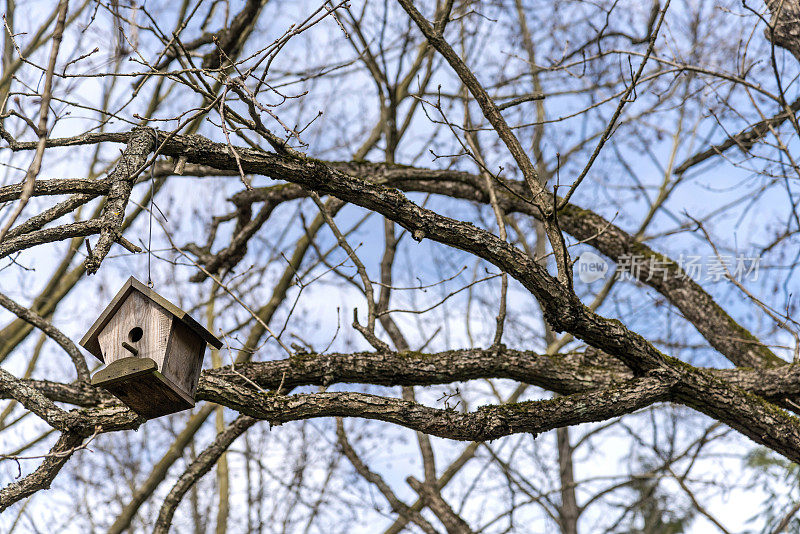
[(152, 349)]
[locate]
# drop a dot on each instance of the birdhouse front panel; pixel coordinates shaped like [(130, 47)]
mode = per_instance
[(140, 328)]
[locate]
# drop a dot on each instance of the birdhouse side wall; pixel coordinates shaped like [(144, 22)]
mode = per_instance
[(137, 311), (184, 360)]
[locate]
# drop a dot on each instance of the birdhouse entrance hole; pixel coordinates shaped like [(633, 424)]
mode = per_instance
[(135, 334)]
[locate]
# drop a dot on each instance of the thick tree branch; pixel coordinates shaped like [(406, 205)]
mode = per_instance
[(50, 235), (487, 423), (58, 186), (717, 393), (561, 373), (141, 144)]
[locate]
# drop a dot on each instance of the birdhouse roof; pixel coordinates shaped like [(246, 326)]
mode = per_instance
[(90, 339)]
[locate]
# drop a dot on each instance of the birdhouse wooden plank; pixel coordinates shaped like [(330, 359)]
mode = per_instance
[(152, 349)]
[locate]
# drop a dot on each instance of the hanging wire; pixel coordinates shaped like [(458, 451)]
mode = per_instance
[(150, 224)]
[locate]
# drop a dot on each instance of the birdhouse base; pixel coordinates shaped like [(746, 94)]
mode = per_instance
[(137, 382)]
